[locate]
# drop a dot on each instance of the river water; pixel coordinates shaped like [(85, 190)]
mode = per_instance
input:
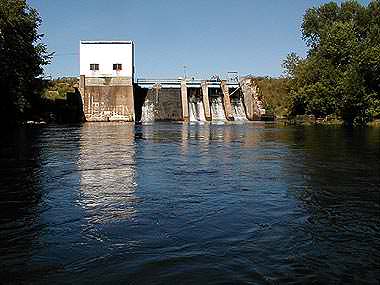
[(171, 203)]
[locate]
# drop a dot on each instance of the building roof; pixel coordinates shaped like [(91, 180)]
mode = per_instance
[(106, 42)]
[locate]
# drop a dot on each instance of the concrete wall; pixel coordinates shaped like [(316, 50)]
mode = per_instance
[(107, 99), (167, 103)]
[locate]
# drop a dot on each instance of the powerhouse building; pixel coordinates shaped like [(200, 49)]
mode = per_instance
[(106, 80)]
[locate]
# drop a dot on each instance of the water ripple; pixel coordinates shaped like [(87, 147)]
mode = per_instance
[(217, 204)]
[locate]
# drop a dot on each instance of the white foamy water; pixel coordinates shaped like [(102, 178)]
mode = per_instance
[(217, 109), (238, 110), (196, 111), (147, 112)]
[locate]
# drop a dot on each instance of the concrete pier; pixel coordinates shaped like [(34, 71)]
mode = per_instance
[(254, 107), (206, 101), (184, 99), (226, 101)]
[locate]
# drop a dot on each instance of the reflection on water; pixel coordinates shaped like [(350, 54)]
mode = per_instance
[(162, 203), (107, 173)]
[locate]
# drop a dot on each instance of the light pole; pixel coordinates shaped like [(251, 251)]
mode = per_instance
[(184, 71)]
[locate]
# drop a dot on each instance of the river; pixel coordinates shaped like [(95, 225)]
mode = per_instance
[(166, 203)]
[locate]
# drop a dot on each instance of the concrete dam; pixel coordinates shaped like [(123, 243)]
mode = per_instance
[(110, 92), (197, 100), (112, 99)]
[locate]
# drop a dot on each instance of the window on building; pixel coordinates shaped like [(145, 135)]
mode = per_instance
[(94, 66), (117, 66)]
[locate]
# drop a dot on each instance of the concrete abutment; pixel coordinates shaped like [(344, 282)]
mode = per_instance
[(206, 100), (184, 100), (107, 98), (226, 101)]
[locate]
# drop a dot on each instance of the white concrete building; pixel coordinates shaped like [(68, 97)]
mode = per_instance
[(107, 59), (106, 80)]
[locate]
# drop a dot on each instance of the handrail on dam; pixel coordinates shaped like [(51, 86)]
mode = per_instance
[(145, 80), (176, 83)]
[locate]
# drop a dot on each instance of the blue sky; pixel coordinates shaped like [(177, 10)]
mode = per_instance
[(208, 36)]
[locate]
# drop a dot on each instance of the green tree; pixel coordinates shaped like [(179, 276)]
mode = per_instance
[(22, 57), (290, 64), (340, 74)]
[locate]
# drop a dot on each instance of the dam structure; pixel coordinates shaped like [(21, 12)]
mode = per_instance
[(110, 91), (194, 100)]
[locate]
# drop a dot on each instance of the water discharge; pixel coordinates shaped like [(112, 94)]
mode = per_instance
[(147, 112), (196, 111), (217, 109), (238, 110)]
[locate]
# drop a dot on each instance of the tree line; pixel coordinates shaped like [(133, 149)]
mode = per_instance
[(341, 74), (22, 57)]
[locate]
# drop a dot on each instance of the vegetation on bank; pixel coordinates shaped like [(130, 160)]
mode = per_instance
[(61, 101), (25, 94), (340, 77), (58, 88), (22, 57), (274, 94)]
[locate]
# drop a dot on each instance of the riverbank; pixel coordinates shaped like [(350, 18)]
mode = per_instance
[(310, 120)]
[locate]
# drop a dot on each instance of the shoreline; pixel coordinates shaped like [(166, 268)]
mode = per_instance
[(280, 122)]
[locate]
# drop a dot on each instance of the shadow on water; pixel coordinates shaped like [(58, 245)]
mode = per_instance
[(190, 203), (39, 183), (335, 179), (20, 198)]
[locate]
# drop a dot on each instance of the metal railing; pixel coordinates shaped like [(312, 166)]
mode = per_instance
[(189, 81)]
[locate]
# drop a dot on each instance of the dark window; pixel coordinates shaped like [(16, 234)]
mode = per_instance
[(117, 66), (94, 66)]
